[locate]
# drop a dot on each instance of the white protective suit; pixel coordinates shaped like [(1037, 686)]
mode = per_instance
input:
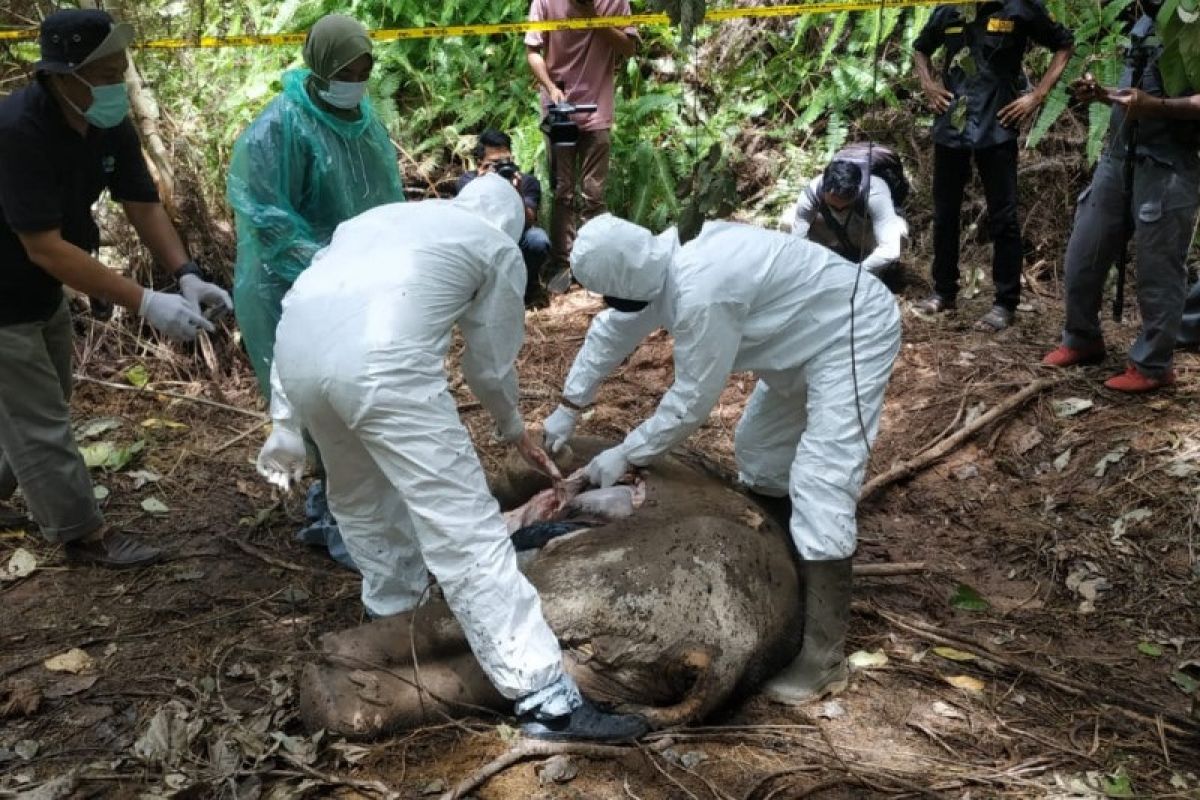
[(360, 364), (880, 231), (739, 298)]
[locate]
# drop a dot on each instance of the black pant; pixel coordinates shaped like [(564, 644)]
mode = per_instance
[(997, 167)]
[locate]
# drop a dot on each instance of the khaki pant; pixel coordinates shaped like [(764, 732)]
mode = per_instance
[(583, 167), (37, 446)]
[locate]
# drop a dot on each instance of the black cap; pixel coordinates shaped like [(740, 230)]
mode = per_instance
[(73, 38)]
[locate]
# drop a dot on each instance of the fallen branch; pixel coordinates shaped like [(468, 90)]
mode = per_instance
[(889, 570), (533, 749), (329, 779), (243, 435), (176, 395), (267, 558), (906, 469), (1141, 710)]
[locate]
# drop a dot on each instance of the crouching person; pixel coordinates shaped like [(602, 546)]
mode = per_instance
[(359, 364), (493, 154), (738, 299), (856, 214)]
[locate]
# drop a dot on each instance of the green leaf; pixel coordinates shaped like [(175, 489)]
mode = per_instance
[(106, 455), (137, 375), (1118, 785), (100, 492), (1149, 649), (966, 598), (1186, 682), (153, 505)]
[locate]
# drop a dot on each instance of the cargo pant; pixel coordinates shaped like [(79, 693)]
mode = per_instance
[(1165, 201), (583, 167), (37, 446)]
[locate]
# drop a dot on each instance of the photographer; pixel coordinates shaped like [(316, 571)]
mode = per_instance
[(578, 67), (493, 153), (856, 215)]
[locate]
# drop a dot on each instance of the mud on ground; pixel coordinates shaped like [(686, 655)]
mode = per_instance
[(1048, 648)]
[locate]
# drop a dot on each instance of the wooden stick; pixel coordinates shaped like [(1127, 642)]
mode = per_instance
[(258, 426), (251, 550), (906, 469), (149, 391), (889, 570), (533, 749)]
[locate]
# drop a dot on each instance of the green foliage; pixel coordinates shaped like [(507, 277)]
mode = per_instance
[(1098, 42), (686, 14), (1179, 27), (800, 85)]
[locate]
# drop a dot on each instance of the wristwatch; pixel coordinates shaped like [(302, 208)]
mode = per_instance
[(190, 268), (572, 406)]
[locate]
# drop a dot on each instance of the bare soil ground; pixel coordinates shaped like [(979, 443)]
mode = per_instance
[(1066, 669)]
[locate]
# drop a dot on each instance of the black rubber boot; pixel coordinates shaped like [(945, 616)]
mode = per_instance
[(820, 669), (585, 724)]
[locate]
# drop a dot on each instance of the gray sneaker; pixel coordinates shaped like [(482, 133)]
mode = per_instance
[(995, 320), (935, 304)]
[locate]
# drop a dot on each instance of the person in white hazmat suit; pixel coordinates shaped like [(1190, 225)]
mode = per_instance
[(360, 364), (736, 299)]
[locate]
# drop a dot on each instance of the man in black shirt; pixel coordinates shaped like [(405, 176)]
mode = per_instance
[(64, 139), (493, 153), (981, 102)]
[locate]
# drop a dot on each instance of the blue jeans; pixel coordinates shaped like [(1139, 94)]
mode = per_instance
[(535, 247)]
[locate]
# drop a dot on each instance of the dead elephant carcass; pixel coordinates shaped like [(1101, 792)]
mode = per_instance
[(669, 613)]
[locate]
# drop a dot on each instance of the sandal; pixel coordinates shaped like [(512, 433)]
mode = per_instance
[(995, 320), (935, 304)]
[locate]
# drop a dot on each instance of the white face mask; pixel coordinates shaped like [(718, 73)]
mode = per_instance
[(344, 94)]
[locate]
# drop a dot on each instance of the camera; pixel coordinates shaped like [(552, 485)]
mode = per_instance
[(558, 125), (506, 169)]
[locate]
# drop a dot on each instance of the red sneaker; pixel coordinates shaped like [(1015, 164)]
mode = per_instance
[(1135, 382), (1063, 356)]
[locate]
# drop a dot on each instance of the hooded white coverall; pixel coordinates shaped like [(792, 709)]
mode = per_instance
[(739, 298), (360, 363)]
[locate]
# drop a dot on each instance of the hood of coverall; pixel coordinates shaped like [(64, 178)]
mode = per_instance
[(619, 259), (496, 202)]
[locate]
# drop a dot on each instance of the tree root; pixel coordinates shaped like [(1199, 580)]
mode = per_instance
[(533, 749)]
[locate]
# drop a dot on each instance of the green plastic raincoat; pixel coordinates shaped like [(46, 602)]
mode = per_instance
[(298, 172)]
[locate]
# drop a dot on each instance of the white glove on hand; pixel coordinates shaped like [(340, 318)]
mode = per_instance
[(203, 294), (282, 459), (607, 468), (559, 428), (172, 314)]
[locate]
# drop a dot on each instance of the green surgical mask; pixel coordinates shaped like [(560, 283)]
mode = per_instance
[(110, 104)]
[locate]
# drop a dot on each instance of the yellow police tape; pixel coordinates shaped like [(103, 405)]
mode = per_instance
[(444, 32)]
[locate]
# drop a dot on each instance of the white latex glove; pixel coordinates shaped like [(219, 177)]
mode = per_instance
[(559, 428), (172, 314), (203, 294), (282, 459), (607, 468)]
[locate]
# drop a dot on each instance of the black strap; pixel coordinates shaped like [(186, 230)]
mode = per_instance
[(841, 231)]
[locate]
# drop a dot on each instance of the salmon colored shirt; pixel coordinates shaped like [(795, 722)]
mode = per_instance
[(583, 61)]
